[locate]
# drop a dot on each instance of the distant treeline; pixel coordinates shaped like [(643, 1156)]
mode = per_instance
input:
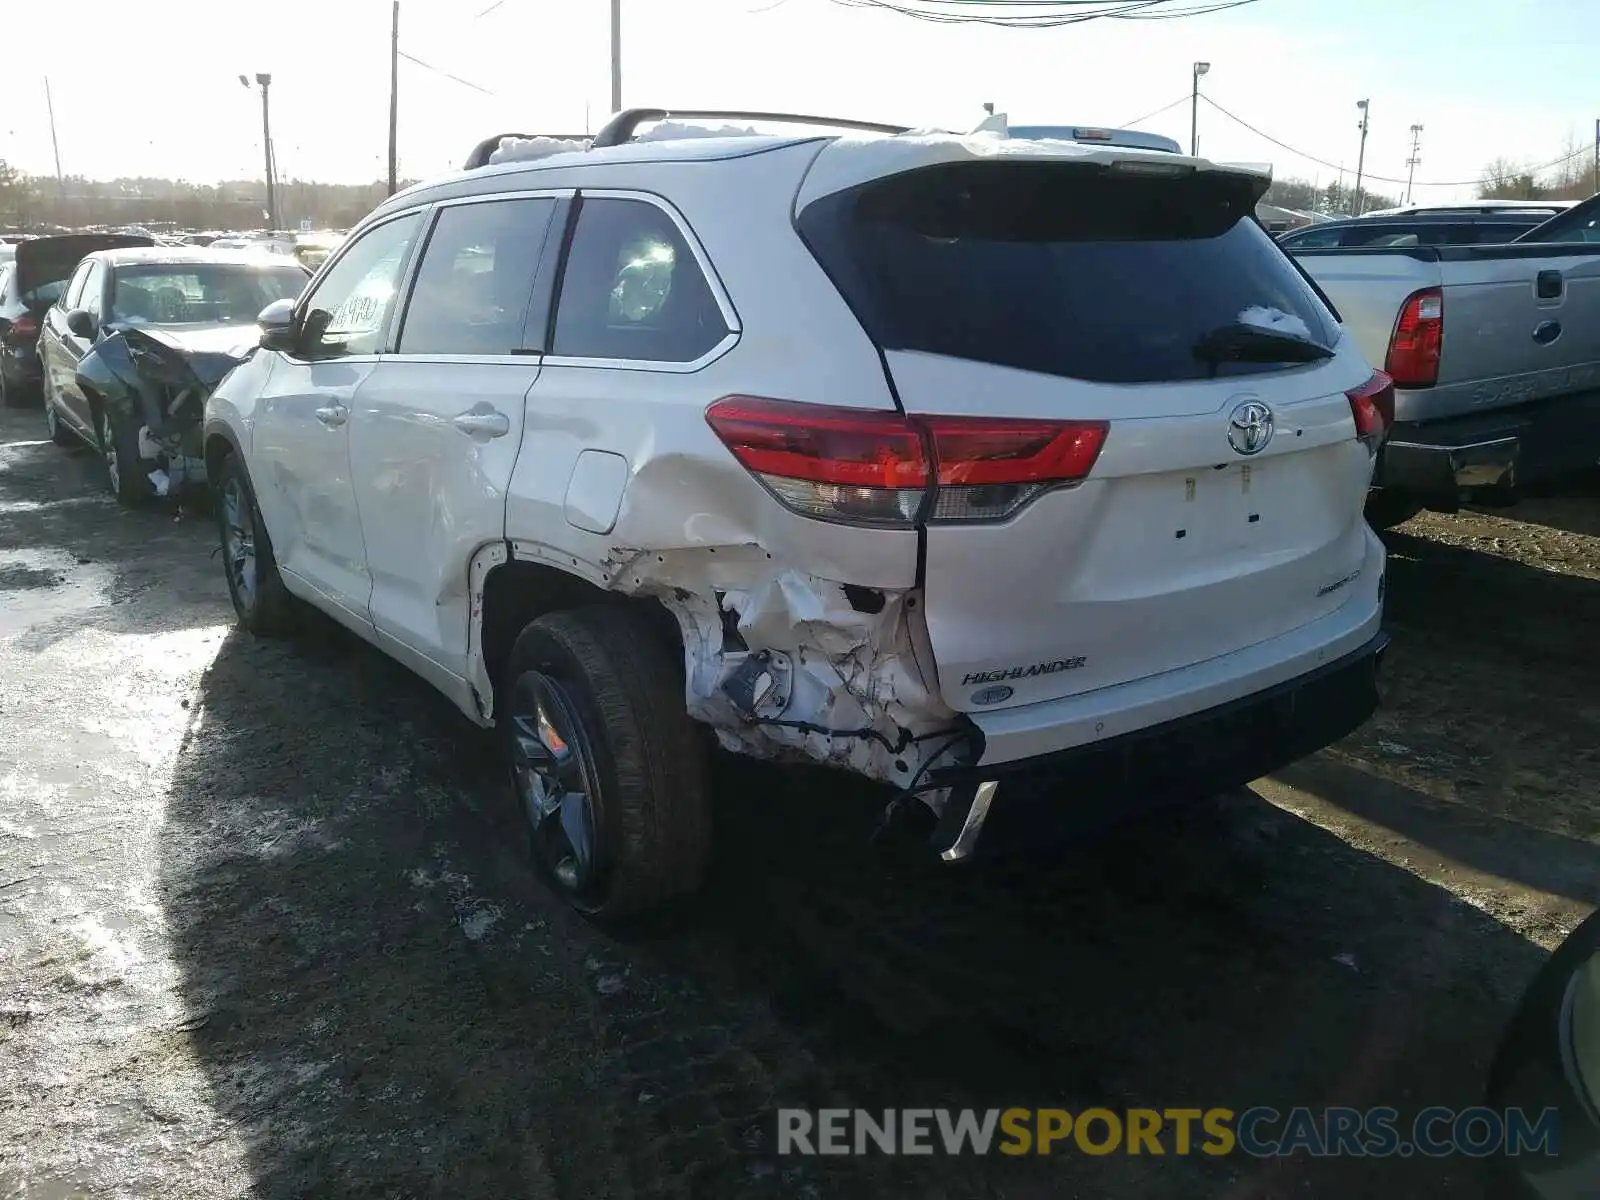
[(41, 202)]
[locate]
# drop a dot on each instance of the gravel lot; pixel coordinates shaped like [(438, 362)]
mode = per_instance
[(264, 927)]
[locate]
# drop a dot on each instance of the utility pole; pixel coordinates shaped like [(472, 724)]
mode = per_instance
[(1361, 157), (616, 56), (1416, 157), (1200, 68), (55, 146), (1596, 155), (394, 100)]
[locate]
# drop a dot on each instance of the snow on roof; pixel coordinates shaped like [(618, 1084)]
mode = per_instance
[(515, 149)]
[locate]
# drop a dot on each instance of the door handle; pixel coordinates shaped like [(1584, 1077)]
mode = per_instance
[(1548, 285), (333, 415), (479, 422)]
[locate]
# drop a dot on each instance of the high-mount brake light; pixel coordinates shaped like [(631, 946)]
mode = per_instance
[(868, 467)]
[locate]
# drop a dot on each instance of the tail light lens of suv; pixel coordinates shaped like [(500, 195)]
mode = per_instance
[(1372, 405), (1418, 335), (24, 329), (864, 467)]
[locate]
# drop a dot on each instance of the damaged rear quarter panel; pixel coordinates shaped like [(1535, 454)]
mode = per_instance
[(700, 534)]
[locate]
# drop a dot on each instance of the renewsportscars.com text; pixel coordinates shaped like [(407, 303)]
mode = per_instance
[(1259, 1132)]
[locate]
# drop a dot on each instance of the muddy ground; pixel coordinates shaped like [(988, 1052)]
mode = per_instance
[(265, 928)]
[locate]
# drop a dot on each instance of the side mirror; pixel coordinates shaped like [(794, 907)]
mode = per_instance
[(82, 323), (277, 326), (1547, 1070)]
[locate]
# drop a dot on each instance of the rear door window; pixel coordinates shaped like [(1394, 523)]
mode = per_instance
[(1063, 269), (472, 289), (632, 289)]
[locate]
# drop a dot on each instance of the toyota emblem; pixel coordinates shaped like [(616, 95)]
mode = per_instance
[(1250, 427)]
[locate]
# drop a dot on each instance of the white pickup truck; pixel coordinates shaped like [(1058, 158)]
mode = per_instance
[(1495, 354)]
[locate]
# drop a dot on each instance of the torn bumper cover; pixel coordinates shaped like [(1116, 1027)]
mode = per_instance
[(782, 664), (157, 382)]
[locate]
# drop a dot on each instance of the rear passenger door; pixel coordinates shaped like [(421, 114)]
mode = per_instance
[(435, 432), (639, 314)]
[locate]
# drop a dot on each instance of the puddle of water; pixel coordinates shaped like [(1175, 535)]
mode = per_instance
[(37, 586)]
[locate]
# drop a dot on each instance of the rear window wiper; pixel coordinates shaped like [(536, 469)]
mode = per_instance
[(1240, 342)]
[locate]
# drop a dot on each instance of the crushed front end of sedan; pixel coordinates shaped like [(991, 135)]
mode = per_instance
[(156, 381)]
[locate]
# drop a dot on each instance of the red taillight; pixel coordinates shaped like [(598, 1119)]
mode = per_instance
[(848, 464), (1372, 405), (1418, 335), (24, 329)]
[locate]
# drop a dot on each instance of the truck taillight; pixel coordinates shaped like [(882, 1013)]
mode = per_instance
[(875, 468), (1418, 336), (1372, 405)]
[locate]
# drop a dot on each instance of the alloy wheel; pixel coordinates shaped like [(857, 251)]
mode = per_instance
[(108, 451), (554, 773), (239, 541)]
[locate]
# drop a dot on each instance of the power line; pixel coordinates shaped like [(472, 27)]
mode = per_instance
[(1044, 15), (1184, 99), (411, 58), (1322, 162)]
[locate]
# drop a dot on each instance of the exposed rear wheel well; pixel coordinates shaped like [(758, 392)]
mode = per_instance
[(217, 448), (517, 592)]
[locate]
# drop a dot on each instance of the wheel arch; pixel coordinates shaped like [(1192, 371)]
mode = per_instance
[(509, 592)]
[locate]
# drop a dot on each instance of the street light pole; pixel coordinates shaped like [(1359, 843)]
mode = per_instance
[(1361, 156), (264, 81), (616, 55), (1200, 68)]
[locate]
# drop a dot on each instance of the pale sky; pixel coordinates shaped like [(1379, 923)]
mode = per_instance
[(152, 89)]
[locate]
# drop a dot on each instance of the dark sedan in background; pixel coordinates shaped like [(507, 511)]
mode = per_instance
[(30, 282), (136, 341)]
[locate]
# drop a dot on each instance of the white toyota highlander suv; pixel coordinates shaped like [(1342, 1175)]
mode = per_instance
[(934, 458)]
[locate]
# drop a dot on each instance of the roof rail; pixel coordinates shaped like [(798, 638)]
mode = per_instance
[(482, 152), (625, 124)]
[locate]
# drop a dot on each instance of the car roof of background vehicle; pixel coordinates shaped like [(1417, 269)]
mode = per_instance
[(182, 255), (1513, 217), (1462, 207)]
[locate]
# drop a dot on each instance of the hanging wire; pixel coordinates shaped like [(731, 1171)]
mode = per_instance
[(1322, 162), (1044, 14)]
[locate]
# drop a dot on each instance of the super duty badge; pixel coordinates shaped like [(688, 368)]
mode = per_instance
[(1023, 672)]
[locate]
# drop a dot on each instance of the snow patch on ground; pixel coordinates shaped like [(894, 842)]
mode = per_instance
[(1275, 320), (477, 917)]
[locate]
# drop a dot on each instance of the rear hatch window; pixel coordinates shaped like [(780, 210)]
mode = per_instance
[(1078, 270)]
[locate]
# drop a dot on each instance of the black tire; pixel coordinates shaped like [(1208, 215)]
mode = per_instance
[(60, 432), (647, 761), (16, 394), (1386, 509), (127, 474), (264, 606)]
